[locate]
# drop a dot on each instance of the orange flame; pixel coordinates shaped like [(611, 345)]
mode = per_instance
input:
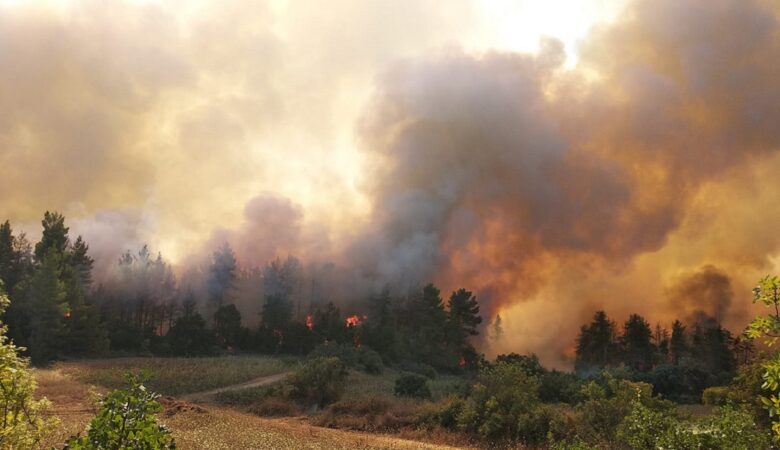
[(462, 361), (353, 321), (309, 322)]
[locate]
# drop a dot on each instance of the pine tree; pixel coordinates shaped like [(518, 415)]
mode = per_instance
[(227, 325), (462, 321), (596, 344), (463, 314), (637, 346), (55, 236), (48, 307), (222, 277), (678, 343)]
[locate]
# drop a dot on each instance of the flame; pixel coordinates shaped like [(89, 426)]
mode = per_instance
[(352, 321), (462, 361), (67, 314), (309, 322)]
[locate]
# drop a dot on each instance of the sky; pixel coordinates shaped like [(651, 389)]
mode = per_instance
[(556, 157)]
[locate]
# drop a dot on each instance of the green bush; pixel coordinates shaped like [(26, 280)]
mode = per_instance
[(729, 429), (320, 381), (23, 424), (603, 407), (412, 385), (559, 387), (362, 358), (716, 395), (504, 405), (418, 368), (126, 420)]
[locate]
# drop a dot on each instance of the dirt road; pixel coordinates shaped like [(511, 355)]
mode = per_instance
[(205, 396), (211, 427)]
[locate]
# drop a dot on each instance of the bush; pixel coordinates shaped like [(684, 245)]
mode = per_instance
[(274, 406), (126, 420), (372, 414), (716, 395), (418, 368), (320, 381), (362, 358), (728, 429), (23, 424), (412, 385), (559, 387), (603, 408), (504, 404)]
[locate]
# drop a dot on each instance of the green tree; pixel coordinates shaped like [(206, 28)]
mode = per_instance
[(48, 307), (126, 420), (22, 424), (636, 344), (767, 327), (227, 325), (222, 277), (462, 321), (279, 281), (596, 343), (678, 343), (189, 335), (54, 237)]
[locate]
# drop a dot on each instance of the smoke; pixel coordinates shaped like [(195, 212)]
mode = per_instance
[(704, 293), (640, 179), (511, 175)]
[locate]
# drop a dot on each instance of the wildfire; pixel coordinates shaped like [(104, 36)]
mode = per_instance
[(462, 361), (309, 322), (353, 321)]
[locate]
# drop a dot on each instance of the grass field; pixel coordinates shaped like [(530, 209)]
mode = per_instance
[(176, 376), (358, 386), (210, 427)]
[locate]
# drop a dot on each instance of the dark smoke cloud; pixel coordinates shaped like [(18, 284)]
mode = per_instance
[(702, 294)]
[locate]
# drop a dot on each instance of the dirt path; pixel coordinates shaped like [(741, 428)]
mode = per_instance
[(205, 396), (212, 427)]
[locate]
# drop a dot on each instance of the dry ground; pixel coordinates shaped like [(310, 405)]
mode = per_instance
[(208, 426)]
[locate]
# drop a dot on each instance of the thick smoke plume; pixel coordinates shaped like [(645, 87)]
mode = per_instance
[(642, 179)]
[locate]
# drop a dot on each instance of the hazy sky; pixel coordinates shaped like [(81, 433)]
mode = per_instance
[(555, 156)]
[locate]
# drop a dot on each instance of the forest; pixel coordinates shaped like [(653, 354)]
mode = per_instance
[(625, 390)]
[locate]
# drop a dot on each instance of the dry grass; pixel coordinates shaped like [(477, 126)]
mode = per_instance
[(211, 427), (175, 376), (73, 403)]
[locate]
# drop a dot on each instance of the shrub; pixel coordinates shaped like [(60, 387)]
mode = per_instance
[(369, 414), (576, 444), (504, 404), (274, 406), (126, 419), (23, 425), (362, 357), (603, 408), (412, 385), (418, 368), (320, 381), (734, 429), (559, 387), (370, 361), (716, 395), (643, 428)]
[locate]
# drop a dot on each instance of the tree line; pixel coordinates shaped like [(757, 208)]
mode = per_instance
[(680, 363), (58, 310)]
